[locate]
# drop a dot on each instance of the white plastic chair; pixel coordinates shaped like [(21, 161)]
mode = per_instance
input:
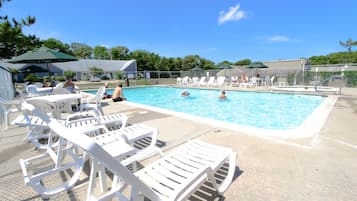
[(74, 163), (210, 82), (88, 104), (178, 81), (8, 107), (220, 81), (272, 81), (202, 81), (186, 81)]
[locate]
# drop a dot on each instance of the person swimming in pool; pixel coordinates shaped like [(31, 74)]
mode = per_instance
[(185, 93), (222, 95)]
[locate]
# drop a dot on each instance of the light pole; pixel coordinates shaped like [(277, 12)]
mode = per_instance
[(342, 76)]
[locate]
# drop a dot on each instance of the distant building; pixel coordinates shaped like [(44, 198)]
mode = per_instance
[(292, 64), (82, 68)]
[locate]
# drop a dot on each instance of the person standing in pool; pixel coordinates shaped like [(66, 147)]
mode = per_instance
[(118, 94)]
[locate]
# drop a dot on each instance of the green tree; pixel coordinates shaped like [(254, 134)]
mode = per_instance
[(33, 78), (177, 64), (348, 44), (118, 75), (190, 61), (207, 64), (243, 62), (119, 53), (69, 74), (57, 44), (96, 71), (12, 40), (100, 52), (81, 50), (145, 60), (223, 64)]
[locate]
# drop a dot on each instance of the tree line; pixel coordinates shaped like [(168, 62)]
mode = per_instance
[(14, 42)]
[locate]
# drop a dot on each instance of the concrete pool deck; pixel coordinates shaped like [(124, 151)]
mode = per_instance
[(319, 168)]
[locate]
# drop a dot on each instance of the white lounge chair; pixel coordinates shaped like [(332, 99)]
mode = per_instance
[(195, 81), (141, 137), (211, 81), (38, 129), (33, 90), (202, 81), (220, 81), (117, 148), (178, 81), (186, 81), (173, 177)]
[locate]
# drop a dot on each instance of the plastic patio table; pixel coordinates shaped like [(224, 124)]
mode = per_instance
[(57, 101)]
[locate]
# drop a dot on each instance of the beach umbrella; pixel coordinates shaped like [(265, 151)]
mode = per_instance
[(42, 55)]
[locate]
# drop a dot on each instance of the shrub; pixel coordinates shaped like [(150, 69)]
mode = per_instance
[(291, 78), (104, 77), (351, 78), (69, 74), (33, 78), (59, 78), (118, 75)]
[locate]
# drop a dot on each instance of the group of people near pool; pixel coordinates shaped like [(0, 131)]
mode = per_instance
[(222, 95)]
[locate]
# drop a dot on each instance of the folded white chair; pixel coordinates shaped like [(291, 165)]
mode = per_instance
[(210, 82), (74, 163), (38, 130), (111, 121), (176, 176), (220, 81), (202, 81), (143, 138)]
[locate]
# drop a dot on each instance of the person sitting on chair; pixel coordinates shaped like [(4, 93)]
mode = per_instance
[(69, 85), (118, 94)]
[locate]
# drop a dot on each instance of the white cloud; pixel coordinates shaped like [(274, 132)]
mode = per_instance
[(233, 14), (278, 38)]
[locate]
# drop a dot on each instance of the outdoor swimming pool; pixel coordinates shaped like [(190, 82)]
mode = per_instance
[(273, 111)]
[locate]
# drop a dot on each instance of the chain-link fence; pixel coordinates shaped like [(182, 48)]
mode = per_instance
[(317, 75)]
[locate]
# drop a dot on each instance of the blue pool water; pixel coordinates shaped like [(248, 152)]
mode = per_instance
[(260, 110)]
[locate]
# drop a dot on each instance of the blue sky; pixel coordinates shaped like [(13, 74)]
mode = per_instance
[(214, 29)]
